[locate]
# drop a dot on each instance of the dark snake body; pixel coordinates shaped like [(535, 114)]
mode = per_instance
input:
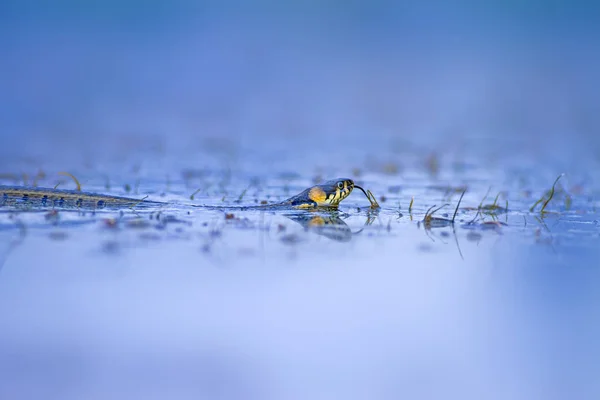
[(34, 198), (43, 198)]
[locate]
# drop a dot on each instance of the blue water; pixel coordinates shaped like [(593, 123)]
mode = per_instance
[(229, 101)]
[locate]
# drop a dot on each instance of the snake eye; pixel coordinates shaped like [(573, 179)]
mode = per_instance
[(340, 185)]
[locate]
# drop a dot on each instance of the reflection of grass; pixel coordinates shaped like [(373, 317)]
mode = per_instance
[(547, 197)]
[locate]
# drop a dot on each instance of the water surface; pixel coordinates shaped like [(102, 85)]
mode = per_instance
[(226, 108)]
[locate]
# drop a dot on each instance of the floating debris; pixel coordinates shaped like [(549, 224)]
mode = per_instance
[(488, 209), (429, 221)]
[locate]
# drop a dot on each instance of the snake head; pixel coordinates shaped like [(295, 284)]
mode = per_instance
[(327, 195), (330, 193)]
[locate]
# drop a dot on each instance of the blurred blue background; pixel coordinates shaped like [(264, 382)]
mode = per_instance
[(522, 75), (265, 88)]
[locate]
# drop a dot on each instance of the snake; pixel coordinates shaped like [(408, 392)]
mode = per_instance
[(323, 196)]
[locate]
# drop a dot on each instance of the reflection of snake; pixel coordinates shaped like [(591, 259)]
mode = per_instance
[(327, 195), (330, 226)]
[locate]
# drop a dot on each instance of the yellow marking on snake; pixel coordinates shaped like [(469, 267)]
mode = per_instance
[(317, 195)]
